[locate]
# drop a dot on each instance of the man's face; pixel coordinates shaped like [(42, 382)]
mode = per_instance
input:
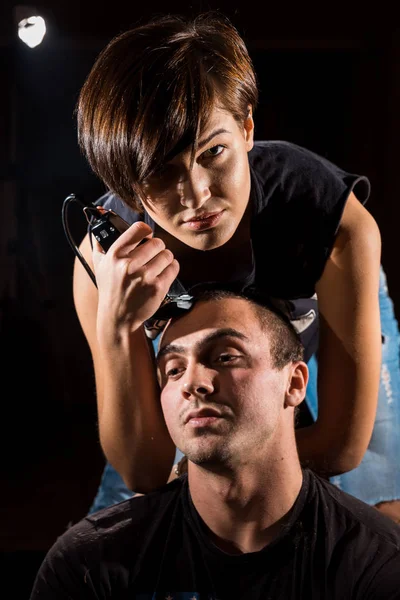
[(202, 206), (222, 399)]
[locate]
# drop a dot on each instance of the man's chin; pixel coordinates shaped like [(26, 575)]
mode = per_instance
[(208, 457)]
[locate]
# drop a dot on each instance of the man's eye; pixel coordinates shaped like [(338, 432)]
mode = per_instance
[(173, 372), (214, 151), (227, 358)]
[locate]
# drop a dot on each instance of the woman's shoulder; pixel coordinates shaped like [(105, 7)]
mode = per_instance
[(287, 158), (280, 151), (111, 201), (285, 171)]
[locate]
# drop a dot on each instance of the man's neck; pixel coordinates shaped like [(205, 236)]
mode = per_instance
[(244, 510)]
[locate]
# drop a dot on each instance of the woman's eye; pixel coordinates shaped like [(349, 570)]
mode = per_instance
[(214, 151), (162, 178)]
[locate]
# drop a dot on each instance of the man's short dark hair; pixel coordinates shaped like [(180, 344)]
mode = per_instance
[(285, 343)]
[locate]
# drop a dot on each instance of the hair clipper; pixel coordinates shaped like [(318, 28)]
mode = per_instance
[(106, 226)]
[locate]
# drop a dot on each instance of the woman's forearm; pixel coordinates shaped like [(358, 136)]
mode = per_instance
[(349, 355), (133, 433)]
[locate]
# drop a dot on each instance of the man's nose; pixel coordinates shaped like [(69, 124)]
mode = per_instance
[(197, 383), (195, 188)]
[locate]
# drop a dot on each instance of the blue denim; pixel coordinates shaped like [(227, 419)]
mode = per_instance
[(111, 490), (377, 479)]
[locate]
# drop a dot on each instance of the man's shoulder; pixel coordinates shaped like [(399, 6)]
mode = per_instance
[(120, 521), (137, 510), (107, 545), (347, 514)]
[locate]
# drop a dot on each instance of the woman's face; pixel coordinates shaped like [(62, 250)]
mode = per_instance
[(202, 206)]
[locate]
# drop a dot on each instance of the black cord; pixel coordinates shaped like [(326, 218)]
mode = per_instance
[(71, 241)]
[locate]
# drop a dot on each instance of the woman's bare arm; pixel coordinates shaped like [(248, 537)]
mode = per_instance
[(349, 357), (133, 433)]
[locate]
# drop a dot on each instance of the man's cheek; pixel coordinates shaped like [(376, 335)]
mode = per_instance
[(170, 410), (238, 386), (165, 405)]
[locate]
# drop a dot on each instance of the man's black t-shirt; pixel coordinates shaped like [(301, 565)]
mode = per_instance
[(297, 199), (156, 546)]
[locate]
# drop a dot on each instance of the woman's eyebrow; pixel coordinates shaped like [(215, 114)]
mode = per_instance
[(200, 145), (212, 135)]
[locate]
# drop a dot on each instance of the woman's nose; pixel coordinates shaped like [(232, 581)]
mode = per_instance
[(195, 189)]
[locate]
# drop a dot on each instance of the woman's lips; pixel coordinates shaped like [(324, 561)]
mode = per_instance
[(206, 222)]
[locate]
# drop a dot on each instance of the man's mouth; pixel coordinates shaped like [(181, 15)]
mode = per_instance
[(203, 417)]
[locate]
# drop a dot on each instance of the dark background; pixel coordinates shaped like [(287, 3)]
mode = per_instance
[(329, 79)]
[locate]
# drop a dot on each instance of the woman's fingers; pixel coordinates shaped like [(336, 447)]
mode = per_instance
[(124, 244), (148, 265)]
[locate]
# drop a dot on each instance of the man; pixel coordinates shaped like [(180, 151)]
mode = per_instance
[(247, 521)]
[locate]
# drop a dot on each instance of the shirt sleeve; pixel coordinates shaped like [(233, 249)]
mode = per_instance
[(65, 573), (386, 583), (112, 202), (303, 196)]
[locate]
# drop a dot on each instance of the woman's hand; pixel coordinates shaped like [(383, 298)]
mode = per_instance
[(133, 278)]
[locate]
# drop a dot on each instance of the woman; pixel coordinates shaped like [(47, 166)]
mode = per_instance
[(165, 119)]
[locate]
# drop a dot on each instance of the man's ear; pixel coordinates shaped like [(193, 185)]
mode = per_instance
[(249, 129), (297, 384)]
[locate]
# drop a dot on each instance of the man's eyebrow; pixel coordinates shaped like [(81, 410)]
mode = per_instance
[(170, 349), (221, 333), (212, 337), (212, 135)]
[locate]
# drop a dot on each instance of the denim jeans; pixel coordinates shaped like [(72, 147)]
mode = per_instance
[(112, 488), (377, 478)]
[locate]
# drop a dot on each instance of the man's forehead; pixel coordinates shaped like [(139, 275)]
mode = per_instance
[(206, 318)]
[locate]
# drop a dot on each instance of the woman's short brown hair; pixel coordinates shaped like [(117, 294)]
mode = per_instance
[(150, 91)]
